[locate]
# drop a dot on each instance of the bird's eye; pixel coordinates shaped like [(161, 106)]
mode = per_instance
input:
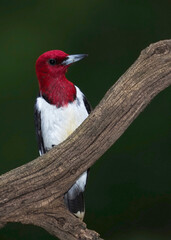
[(52, 61)]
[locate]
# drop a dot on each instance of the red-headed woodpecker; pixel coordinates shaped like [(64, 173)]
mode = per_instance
[(59, 109)]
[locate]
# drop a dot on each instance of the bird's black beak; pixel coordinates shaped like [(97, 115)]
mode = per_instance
[(73, 58)]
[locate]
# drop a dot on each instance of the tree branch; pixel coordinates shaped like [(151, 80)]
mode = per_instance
[(33, 193)]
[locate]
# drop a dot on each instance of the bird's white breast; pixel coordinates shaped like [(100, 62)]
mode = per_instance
[(58, 123)]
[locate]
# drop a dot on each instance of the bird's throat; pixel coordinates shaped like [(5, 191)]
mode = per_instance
[(59, 92)]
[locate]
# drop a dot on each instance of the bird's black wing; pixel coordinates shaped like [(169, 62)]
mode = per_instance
[(87, 105), (37, 120)]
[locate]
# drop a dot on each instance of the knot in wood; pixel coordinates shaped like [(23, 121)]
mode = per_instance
[(61, 221), (159, 48), (73, 171), (163, 49)]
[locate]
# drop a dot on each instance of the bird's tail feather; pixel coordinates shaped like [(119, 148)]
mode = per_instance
[(74, 200)]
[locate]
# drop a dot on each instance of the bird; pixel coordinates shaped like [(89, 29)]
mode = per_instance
[(59, 109)]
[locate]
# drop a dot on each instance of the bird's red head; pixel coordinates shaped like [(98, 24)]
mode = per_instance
[(51, 67), (49, 64)]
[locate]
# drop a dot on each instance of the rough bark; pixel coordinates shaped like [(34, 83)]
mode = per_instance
[(33, 193)]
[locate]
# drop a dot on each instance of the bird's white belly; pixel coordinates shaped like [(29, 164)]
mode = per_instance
[(57, 125)]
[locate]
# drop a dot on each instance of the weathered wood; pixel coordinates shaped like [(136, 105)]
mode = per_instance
[(33, 193)]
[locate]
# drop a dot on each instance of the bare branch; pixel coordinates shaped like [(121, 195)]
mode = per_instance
[(33, 193)]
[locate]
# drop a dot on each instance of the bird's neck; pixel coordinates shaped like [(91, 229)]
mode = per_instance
[(58, 91)]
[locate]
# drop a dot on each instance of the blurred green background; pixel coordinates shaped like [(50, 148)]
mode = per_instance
[(128, 194)]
